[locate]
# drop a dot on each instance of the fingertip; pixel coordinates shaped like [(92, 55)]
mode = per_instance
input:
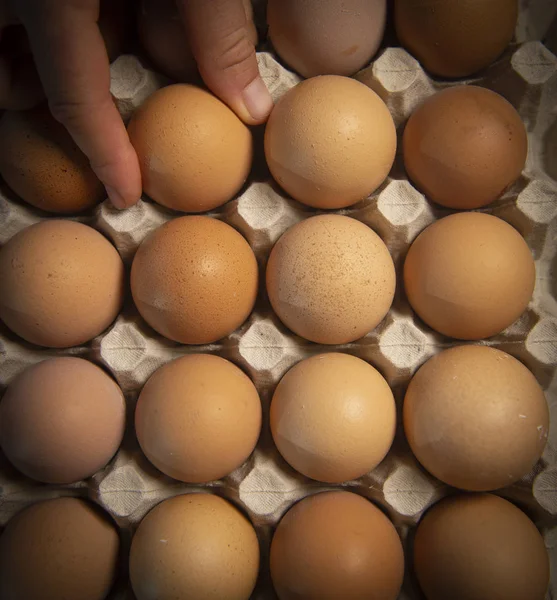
[(257, 102), (122, 180)]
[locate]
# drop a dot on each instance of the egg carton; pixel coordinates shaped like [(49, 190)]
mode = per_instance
[(265, 487)]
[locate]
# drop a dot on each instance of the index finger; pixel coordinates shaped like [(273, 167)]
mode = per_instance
[(73, 66)]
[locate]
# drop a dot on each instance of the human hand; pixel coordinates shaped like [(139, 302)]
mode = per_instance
[(71, 60)]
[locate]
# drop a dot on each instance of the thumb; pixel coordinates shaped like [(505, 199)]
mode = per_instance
[(223, 47)]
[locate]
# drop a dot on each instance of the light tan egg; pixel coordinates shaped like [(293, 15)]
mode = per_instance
[(476, 418), (326, 38), (194, 280), (330, 279), (61, 420), (330, 141), (194, 546), (333, 417), (477, 546), (43, 165), (336, 545), (194, 152), (464, 146), (60, 549), (198, 418), (62, 283), (469, 275)]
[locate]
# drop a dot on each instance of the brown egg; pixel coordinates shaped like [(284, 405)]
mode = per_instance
[(192, 400), (61, 420), (194, 280), (455, 39), (330, 279), (60, 549), (333, 417), (469, 275), (336, 545), (464, 146), (42, 164), (476, 418), (63, 283), (478, 546), (194, 546), (194, 152), (330, 142), (163, 35), (326, 38)]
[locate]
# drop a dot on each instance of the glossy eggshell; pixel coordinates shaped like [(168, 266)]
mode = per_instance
[(194, 546), (194, 152), (469, 275), (62, 283), (330, 142), (476, 418), (43, 165), (478, 546), (330, 279), (336, 545), (198, 418), (61, 420), (464, 146), (194, 280), (333, 417), (60, 549), (326, 38), (455, 39)]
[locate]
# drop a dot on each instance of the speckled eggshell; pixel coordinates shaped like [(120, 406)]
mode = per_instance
[(194, 546), (194, 280), (42, 164), (61, 420), (336, 545), (476, 418), (61, 549), (333, 417), (326, 38), (469, 275), (62, 283), (194, 152), (478, 546), (330, 279), (198, 418), (455, 39), (330, 141), (464, 146)]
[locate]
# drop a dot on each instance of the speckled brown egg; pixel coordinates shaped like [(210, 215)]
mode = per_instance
[(336, 545), (476, 418), (194, 152), (194, 546), (464, 146), (60, 549), (333, 417), (455, 39), (198, 418), (63, 283), (330, 279), (61, 420), (163, 35), (469, 275), (330, 141), (42, 164), (194, 280), (326, 38), (478, 546)]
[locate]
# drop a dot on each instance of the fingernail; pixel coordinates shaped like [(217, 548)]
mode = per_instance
[(257, 99), (115, 197)]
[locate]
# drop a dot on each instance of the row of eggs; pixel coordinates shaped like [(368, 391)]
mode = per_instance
[(330, 545)]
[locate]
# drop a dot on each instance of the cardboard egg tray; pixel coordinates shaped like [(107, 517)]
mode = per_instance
[(265, 487)]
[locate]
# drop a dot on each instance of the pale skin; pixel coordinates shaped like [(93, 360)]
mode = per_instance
[(72, 64)]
